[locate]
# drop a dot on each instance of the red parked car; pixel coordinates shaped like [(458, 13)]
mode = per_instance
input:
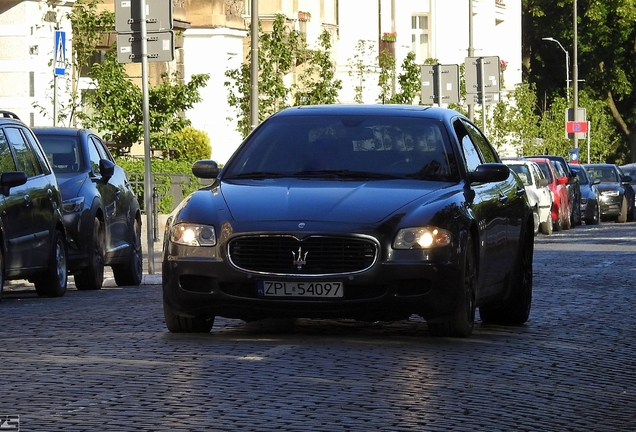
[(561, 206)]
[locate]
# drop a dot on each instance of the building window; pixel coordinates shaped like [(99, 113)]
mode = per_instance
[(420, 37)]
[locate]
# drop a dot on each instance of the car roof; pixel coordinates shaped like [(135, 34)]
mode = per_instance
[(371, 109), (56, 130)]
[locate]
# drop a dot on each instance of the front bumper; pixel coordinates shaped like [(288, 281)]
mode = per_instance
[(389, 291)]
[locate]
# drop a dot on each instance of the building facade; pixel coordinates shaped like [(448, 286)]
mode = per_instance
[(213, 39)]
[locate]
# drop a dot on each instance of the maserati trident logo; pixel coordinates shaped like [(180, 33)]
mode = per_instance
[(299, 258)]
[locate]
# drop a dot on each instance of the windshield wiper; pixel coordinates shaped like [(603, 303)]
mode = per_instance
[(347, 174), (257, 175)]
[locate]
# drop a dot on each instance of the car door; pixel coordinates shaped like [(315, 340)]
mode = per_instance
[(37, 194), (15, 215), (487, 208)]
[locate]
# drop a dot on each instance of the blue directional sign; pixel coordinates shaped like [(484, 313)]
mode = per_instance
[(60, 53)]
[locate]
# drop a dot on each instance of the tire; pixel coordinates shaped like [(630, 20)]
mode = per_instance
[(596, 216), (567, 222), (546, 226), (622, 217), (1, 273), (131, 274), (575, 219), (52, 283), (179, 324), (461, 323), (92, 277), (536, 219), (631, 214), (515, 309)]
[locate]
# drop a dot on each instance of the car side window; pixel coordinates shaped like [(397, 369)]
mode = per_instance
[(25, 158), (94, 157), (469, 151), (37, 151), (6, 158), (482, 143), (101, 149)]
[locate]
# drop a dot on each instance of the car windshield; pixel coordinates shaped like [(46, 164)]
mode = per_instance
[(346, 147), (62, 153), (523, 172), (606, 175)]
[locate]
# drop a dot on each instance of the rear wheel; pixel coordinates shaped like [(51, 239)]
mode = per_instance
[(596, 216), (52, 283), (131, 274), (180, 324), (92, 277), (546, 226), (515, 310), (461, 323), (622, 217)]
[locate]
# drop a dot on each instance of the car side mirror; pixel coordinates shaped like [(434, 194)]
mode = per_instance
[(206, 169), (596, 181), (626, 179), (489, 172), (563, 180), (106, 169), (543, 182), (11, 179)]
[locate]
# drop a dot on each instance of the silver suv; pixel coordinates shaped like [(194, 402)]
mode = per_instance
[(32, 236)]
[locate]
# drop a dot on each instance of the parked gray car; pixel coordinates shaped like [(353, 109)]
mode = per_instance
[(590, 196)]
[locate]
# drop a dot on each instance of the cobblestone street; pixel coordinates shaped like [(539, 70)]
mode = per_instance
[(104, 361)]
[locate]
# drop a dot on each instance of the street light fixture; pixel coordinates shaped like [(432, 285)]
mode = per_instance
[(567, 66)]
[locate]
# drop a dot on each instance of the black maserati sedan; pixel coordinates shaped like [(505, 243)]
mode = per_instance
[(364, 212), (101, 211)]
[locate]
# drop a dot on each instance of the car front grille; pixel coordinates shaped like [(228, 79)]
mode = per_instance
[(316, 255)]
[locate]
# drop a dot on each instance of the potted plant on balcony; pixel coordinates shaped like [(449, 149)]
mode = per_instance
[(389, 36), (304, 16)]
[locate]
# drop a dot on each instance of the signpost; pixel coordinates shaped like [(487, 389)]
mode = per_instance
[(59, 66), (482, 82), (440, 84), (144, 33)]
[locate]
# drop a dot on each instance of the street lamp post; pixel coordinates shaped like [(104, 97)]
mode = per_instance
[(567, 67)]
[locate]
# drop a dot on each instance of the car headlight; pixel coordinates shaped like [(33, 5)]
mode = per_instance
[(193, 234), (73, 205), (421, 238), (611, 193)]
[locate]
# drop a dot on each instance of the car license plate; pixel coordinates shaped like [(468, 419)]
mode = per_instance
[(299, 289)]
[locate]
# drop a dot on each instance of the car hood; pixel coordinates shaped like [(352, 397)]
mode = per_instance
[(606, 187), (71, 184), (325, 200)]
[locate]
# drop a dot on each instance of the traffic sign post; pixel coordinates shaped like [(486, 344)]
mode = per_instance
[(144, 33), (440, 84), (482, 82), (59, 66), (572, 127)]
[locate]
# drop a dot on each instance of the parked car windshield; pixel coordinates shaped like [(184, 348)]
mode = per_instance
[(347, 147), (62, 153), (523, 172), (606, 175)]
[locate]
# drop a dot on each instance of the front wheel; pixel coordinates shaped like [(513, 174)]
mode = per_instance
[(595, 219), (131, 274), (180, 324), (622, 217), (52, 283), (461, 323)]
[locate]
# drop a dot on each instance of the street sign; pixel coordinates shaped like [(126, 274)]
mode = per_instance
[(482, 71), (128, 15), (440, 80), (159, 47), (581, 118), (60, 53), (574, 127)]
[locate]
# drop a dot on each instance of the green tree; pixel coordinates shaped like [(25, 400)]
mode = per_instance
[(116, 105), (279, 51), (409, 81), (360, 68), (317, 84), (386, 77)]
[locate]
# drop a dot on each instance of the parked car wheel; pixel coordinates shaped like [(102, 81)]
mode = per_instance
[(461, 323), (517, 309), (180, 324), (536, 218), (1, 274), (622, 217), (52, 283), (92, 277), (596, 216), (546, 226), (131, 273)]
